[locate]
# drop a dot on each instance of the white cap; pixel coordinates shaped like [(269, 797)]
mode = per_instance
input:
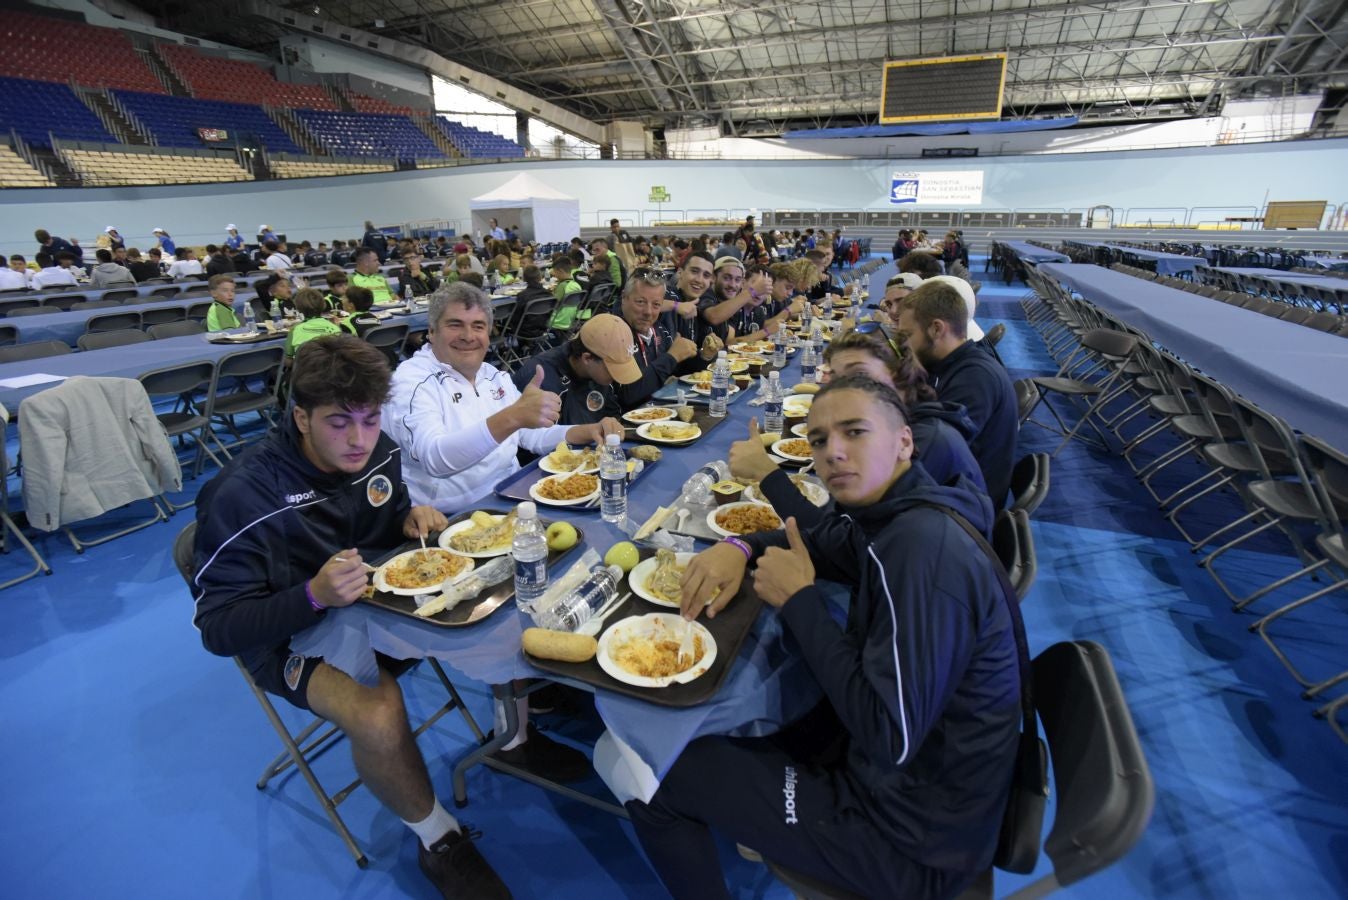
[(527, 510), (231, 228), (910, 280), (110, 229), (966, 292), (158, 231), (262, 228)]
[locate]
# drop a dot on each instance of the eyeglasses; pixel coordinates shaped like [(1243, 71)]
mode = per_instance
[(648, 275)]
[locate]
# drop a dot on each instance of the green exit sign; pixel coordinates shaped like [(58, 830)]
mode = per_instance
[(658, 194)]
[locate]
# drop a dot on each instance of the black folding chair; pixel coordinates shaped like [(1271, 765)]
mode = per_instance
[(68, 302), (1014, 543), (22, 311), (264, 364), (7, 525), (101, 340), (88, 304), (131, 295), (9, 335), (178, 328), (305, 745), (33, 350), (1030, 482), (1110, 350), (162, 315), (191, 415), (112, 322), (390, 339)]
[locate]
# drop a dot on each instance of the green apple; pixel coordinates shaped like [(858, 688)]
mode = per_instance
[(561, 536), (624, 555)]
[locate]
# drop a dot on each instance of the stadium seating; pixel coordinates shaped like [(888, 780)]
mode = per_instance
[(294, 168), (365, 104), (369, 134), (107, 168), (217, 78), (50, 49), (15, 172), (35, 108), (174, 121), (477, 144)]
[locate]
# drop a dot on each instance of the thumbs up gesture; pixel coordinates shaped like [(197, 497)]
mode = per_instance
[(537, 408), (749, 460), (781, 574)]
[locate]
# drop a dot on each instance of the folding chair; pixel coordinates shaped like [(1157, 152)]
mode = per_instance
[(191, 415), (122, 296), (1030, 482), (90, 304), (101, 340), (9, 335), (390, 339), (33, 350), (1105, 792), (112, 322), (532, 329), (265, 363), (178, 328), (7, 524), (316, 737), (1112, 350), (23, 311), (161, 315), (993, 337), (197, 312), (69, 302), (1014, 543)]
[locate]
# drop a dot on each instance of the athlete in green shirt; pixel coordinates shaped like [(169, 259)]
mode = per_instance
[(221, 315), (310, 304), (367, 275)]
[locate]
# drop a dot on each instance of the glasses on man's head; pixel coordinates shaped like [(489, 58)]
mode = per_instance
[(648, 275)]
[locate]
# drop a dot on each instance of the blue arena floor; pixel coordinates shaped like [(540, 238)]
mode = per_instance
[(130, 753)]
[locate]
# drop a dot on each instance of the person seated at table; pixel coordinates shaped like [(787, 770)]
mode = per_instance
[(901, 246), (941, 430), (692, 282), (340, 256), (338, 284), (726, 300), (356, 303), (501, 265), (141, 269), (822, 257), (271, 563), (583, 370), (15, 276), (568, 293), (367, 275), (52, 244), (459, 419), (661, 350), (764, 314), (107, 274), (896, 288), (966, 292), (51, 273), (221, 315), (463, 264), (923, 265), (275, 287), (599, 249), (422, 282), (311, 306), (895, 785), (933, 321), (218, 261), (277, 259), (185, 265)]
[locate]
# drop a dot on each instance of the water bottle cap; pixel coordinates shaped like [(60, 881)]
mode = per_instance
[(720, 354), (527, 510), (612, 440)]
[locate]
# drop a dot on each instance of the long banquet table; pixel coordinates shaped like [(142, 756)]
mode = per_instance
[(1037, 255), (1295, 372)]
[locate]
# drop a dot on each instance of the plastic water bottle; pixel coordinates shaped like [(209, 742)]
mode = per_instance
[(576, 608), (249, 318), (697, 489), (779, 349), (807, 365), (772, 404), (613, 478), (807, 315), (828, 305), (530, 550), (720, 386), (856, 295), (276, 313), (407, 297), (817, 340)]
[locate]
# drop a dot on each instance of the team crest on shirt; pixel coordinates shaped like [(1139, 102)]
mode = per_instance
[(293, 670), (498, 393), (378, 490)]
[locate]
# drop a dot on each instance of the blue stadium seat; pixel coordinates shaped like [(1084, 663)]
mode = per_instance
[(38, 109), (369, 134), (174, 121), (477, 144)]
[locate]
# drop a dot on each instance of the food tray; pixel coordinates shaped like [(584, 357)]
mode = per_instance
[(471, 610), (258, 338), (516, 487), (670, 394), (695, 526), (702, 418), (729, 629)]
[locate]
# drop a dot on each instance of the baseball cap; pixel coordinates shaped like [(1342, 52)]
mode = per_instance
[(158, 231), (910, 280), (110, 229), (262, 227), (460, 247), (725, 261), (609, 338), (231, 227), (966, 292)]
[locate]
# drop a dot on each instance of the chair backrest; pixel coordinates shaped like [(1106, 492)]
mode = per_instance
[(197, 312), (176, 380), (1027, 395), (1329, 468), (9, 307), (1030, 482), (66, 301), (387, 336), (161, 316), (88, 304), (247, 363), (8, 335), (169, 290), (112, 322), (1104, 788), (101, 340), (1014, 543), (183, 557), (122, 296), (994, 335), (33, 350), (534, 322), (17, 312), (176, 329)]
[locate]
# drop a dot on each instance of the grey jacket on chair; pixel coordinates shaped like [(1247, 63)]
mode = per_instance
[(91, 445)]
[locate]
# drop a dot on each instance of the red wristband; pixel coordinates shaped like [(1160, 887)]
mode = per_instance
[(745, 548), (318, 607)]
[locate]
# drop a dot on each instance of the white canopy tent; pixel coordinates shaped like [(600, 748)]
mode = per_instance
[(543, 213)]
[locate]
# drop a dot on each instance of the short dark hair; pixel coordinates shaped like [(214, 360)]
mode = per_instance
[(44, 260), (339, 370), (865, 383), (216, 280), (935, 300), (212, 249), (335, 277), (362, 252), (103, 255), (698, 254), (66, 256), (923, 264), (309, 302), (532, 275), (473, 278), (613, 221), (17, 257), (273, 246), (910, 378), (42, 235), (361, 299), (564, 265)]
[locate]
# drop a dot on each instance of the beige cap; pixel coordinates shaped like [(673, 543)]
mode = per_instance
[(609, 338), (726, 262)]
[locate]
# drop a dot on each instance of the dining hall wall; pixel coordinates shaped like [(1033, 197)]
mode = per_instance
[(326, 208)]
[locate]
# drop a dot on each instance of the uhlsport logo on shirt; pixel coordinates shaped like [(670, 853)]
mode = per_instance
[(300, 498), (378, 490), (789, 796)]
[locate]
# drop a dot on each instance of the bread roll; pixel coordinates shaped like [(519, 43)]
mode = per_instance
[(805, 388), (559, 645)]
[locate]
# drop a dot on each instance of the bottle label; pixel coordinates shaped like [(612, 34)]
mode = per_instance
[(807, 371), (531, 574), (773, 409), (612, 488), (719, 393)]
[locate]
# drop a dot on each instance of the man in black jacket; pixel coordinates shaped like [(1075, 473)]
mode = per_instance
[(934, 320), (375, 240), (583, 371), (896, 785), (661, 351), (282, 532)]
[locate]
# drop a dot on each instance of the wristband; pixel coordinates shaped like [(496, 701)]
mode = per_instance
[(318, 607), (743, 547)]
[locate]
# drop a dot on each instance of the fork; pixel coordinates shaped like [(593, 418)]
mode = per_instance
[(686, 644)]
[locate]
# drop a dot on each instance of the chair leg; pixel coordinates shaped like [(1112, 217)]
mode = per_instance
[(39, 564), (1261, 628)]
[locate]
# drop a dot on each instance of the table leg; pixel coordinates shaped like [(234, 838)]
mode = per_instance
[(501, 693)]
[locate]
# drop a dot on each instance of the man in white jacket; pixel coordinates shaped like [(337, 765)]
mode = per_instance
[(459, 419)]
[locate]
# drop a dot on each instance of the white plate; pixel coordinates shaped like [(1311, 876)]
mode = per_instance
[(642, 573), (711, 518), (382, 585), (692, 378), (654, 625), (644, 432), (777, 448), (465, 525), (533, 492), (668, 411), (752, 348), (801, 430), (545, 463), (815, 493), (706, 389)]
